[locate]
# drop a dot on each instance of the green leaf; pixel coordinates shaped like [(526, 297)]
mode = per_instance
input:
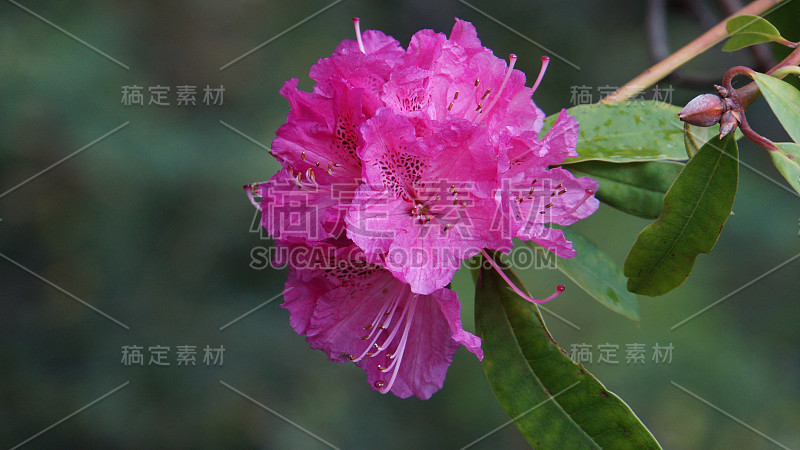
[(635, 188), (784, 99), (787, 160), (695, 210), (744, 31), (626, 132), (554, 401), (596, 273)]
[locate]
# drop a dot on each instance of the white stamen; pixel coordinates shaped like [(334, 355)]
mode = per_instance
[(357, 24), (400, 349), (376, 330)]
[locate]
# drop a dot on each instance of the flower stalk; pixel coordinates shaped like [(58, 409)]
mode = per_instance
[(691, 50)]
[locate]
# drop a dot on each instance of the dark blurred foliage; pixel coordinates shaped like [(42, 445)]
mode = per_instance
[(151, 226)]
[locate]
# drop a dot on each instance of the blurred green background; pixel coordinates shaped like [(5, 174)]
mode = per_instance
[(151, 226)]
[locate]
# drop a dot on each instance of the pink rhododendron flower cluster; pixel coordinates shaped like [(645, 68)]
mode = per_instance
[(398, 166)]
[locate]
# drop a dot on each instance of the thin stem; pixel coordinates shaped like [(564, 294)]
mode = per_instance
[(691, 50), (749, 93), (755, 137)]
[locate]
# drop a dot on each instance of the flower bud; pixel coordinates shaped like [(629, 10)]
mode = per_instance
[(704, 110)]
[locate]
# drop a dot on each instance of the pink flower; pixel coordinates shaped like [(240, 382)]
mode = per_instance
[(398, 166), (357, 311)]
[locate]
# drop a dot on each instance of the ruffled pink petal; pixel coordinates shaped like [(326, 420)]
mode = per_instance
[(321, 134), (359, 71), (407, 91), (299, 298), (310, 277), (527, 154), (562, 138), (451, 309), (372, 219), (553, 240), (465, 36), (393, 158), (424, 50), (376, 43), (425, 258)]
